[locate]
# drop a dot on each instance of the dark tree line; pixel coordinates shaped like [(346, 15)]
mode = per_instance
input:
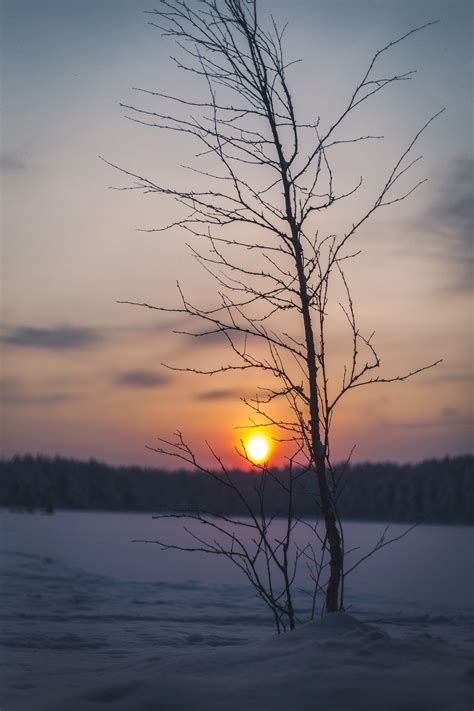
[(432, 490)]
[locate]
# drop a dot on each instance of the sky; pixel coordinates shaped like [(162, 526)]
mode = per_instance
[(82, 375)]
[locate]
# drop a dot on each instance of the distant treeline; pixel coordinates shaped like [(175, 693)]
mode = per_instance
[(432, 490)]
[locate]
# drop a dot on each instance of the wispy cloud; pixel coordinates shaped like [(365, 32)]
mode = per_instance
[(66, 337), (14, 393), (451, 221), (218, 395), (11, 163), (450, 377), (54, 338), (43, 400), (448, 417), (141, 379), (455, 208)]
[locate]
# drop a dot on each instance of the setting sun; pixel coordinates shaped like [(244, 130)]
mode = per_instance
[(257, 447)]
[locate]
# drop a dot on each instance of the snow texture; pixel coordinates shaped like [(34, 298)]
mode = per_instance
[(80, 641)]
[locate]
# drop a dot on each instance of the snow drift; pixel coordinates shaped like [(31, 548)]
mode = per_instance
[(337, 663)]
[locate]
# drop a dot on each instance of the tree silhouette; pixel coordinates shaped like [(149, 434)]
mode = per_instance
[(268, 178)]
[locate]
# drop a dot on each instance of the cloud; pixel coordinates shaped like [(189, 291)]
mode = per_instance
[(218, 395), (448, 417), (450, 377), (455, 210), (55, 338), (11, 163), (451, 221), (209, 340), (13, 393), (54, 399), (141, 379), (66, 337)]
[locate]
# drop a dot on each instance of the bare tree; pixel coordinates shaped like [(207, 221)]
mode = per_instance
[(269, 562), (268, 180)]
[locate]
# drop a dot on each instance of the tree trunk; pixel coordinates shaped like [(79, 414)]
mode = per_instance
[(333, 536), (318, 448)]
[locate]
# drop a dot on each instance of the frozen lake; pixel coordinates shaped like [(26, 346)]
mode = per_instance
[(76, 592)]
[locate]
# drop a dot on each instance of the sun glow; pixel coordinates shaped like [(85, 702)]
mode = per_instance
[(257, 448)]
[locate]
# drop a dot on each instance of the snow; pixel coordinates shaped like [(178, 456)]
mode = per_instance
[(78, 639), (337, 663)]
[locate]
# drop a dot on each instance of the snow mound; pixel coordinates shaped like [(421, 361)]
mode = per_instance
[(334, 664)]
